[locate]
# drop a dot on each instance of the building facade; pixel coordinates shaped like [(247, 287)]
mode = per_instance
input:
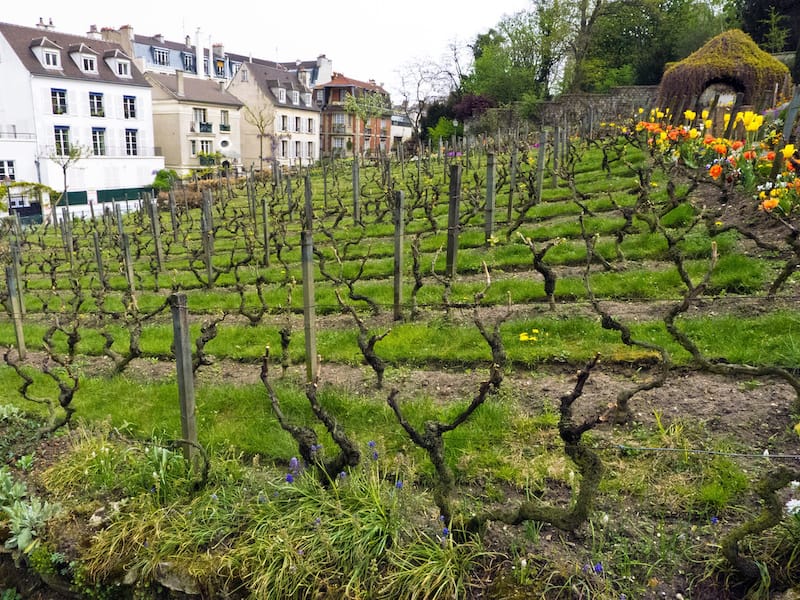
[(344, 133), (280, 120), (80, 110), (197, 123)]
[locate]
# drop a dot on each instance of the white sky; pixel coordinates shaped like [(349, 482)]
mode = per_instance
[(364, 39)]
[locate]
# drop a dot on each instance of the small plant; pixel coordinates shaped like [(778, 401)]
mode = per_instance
[(26, 462), (10, 491), (26, 520), (9, 413)]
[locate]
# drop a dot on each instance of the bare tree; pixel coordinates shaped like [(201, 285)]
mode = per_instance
[(66, 157), (261, 117)]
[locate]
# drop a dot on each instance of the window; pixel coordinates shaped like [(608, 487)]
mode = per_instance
[(244, 74), (189, 63), (284, 149), (307, 98), (284, 123), (219, 67), (298, 149), (88, 64), (7, 170), (123, 68), (52, 59), (224, 120), (129, 106), (96, 104), (310, 126), (160, 57), (99, 141), (206, 146), (281, 95), (193, 147), (310, 149), (298, 124), (295, 97), (235, 66), (59, 100), (61, 140), (131, 142), (320, 97)]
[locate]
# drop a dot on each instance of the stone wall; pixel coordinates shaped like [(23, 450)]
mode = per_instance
[(584, 112)]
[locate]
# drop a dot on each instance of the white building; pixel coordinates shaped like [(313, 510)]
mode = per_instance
[(62, 92)]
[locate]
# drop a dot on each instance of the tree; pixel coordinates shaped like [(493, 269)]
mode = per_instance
[(760, 17), (66, 157), (261, 117), (365, 106)]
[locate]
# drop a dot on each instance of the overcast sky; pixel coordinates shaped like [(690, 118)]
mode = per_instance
[(364, 39)]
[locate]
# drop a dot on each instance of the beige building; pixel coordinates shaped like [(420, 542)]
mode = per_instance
[(280, 120), (196, 122)]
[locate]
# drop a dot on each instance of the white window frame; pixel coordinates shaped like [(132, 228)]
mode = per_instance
[(132, 142), (7, 170), (58, 100), (96, 108), (161, 57), (61, 140), (123, 68), (129, 106), (295, 97), (88, 63), (52, 59), (281, 95), (99, 141)]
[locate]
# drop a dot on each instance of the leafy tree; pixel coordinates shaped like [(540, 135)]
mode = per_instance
[(366, 106), (760, 18)]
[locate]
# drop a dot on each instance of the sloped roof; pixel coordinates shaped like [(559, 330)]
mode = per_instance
[(268, 77), (23, 39), (731, 57), (195, 90), (340, 80)]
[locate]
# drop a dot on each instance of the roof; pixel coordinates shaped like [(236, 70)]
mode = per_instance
[(268, 77), (23, 39), (340, 80), (194, 90)]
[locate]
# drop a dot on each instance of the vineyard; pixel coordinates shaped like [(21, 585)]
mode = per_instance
[(529, 367)]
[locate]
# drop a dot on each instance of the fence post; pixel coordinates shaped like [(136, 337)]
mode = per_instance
[(126, 258), (98, 257), (173, 216), (13, 299), (452, 221), (399, 234), (185, 376), (513, 181), (265, 227), (309, 305), (15, 264), (356, 194), (556, 150), (155, 225), (540, 165), (490, 198)]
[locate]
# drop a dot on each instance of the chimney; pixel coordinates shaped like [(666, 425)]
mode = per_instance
[(221, 86), (181, 90), (198, 54), (127, 30), (219, 50), (188, 42), (159, 37), (50, 24), (41, 24), (93, 33)]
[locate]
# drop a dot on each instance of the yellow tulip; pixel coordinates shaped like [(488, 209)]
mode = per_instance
[(788, 150), (690, 115), (704, 114)]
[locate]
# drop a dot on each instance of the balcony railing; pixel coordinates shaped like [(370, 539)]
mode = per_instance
[(224, 127), (206, 127), (339, 128)]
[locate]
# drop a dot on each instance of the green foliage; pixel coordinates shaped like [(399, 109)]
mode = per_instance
[(26, 519), (164, 179)]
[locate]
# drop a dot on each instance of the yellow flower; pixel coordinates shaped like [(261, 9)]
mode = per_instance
[(693, 133), (690, 115), (788, 150), (726, 119), (797, 429), (704, 114), (708, 123), (524, 337), (659, 114), (641, 110)]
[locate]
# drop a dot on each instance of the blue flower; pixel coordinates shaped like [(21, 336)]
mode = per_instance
[(289, 478), (294, 464), (342, 475), (714, 520), (399, 484), (374, 456), (445, 532), (214, 497), (371, 444), (598, 568), (262, 498)]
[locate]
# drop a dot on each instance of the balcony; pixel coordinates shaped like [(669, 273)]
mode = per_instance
[(339, 128), (224, 127), (205, 127)]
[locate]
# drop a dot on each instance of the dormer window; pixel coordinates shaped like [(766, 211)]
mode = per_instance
[(52, 59), (119, 63), (88, 64), (160, 57), (123, 68), (281, 95), (295, 97), (307, 98)]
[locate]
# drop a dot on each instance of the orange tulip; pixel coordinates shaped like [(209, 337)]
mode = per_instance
[(715, 171)]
